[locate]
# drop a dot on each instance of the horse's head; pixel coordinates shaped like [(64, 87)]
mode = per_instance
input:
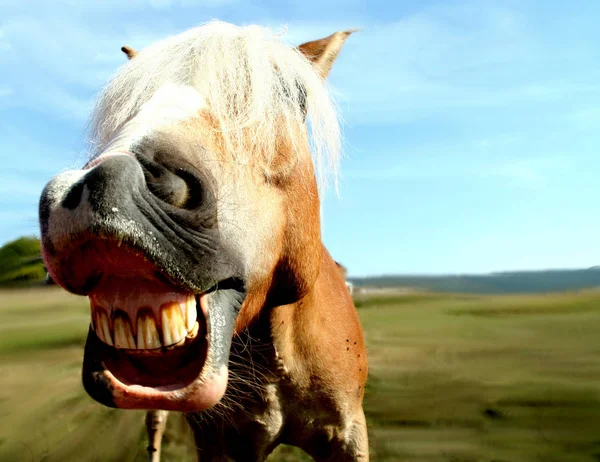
[(198, 208)]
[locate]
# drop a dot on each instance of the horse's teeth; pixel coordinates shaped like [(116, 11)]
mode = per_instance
[(147, 327), (191, 315), (123, 333), (173, 327), (193, 331), (103, 327), (147, 335), (180, 343)]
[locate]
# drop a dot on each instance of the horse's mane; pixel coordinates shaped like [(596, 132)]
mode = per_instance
[(250, 80)]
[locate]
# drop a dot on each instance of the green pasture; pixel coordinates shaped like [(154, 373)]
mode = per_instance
[(452, 378)]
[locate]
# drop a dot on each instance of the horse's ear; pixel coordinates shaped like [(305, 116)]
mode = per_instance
[(322, 53), (130, 52)]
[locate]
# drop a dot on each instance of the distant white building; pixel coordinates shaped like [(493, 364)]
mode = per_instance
[(350, 286), (344, 272)]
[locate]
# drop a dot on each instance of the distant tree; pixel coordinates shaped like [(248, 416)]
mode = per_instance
[(21, 262)]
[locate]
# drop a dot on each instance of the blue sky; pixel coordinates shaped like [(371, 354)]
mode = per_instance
[(471, 128)]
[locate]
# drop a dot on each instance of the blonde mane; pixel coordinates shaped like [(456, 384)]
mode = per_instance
[(249, 79)]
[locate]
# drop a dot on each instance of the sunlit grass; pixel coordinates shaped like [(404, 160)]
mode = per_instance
[(452, 378)]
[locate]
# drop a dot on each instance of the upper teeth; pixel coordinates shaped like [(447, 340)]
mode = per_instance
[(147, 336), (123, 333), (145, 328)]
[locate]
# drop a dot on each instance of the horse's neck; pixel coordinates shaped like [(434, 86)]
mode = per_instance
[(308, 334), (282, 333), (286, 349)]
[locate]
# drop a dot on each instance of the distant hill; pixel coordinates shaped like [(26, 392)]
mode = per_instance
[(21, 263), (509, 282)]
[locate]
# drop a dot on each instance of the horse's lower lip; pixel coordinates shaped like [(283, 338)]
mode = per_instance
[(172, 379), (164, 370)]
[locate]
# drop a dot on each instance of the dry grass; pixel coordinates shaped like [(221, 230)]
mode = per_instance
[(453, 378)]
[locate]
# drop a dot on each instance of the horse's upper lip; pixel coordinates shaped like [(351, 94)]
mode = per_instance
[(88, 259)]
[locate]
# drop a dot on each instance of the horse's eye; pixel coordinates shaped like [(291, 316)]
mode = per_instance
[(175, 186)]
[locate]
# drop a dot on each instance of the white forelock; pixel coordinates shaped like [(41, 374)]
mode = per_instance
[(248, 79)]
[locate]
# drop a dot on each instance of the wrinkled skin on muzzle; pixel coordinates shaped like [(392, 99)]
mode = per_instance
[(138, 235)]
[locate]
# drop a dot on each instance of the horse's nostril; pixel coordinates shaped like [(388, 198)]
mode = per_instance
[(73, 197), (169, 188), (194, 190), (176, 187)]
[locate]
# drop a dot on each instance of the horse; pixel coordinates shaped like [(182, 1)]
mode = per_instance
[(194, 230)]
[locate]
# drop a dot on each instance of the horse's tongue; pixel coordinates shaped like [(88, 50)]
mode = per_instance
[(141, 314)]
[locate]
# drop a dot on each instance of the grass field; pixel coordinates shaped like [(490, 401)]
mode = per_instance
[(453, 378)]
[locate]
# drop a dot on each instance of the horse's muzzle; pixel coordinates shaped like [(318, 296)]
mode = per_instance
[(140, 239), (170, 218)]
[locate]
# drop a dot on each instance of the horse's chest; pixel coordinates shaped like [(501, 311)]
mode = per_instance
[(268, 417)]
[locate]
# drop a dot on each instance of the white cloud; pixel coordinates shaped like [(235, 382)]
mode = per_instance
[(454, 57), (117, 5), (27, 154), (431, 63), (5, 46), (23, 186), (63, 60), (467, 162), (29, 161), (5, 90)]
